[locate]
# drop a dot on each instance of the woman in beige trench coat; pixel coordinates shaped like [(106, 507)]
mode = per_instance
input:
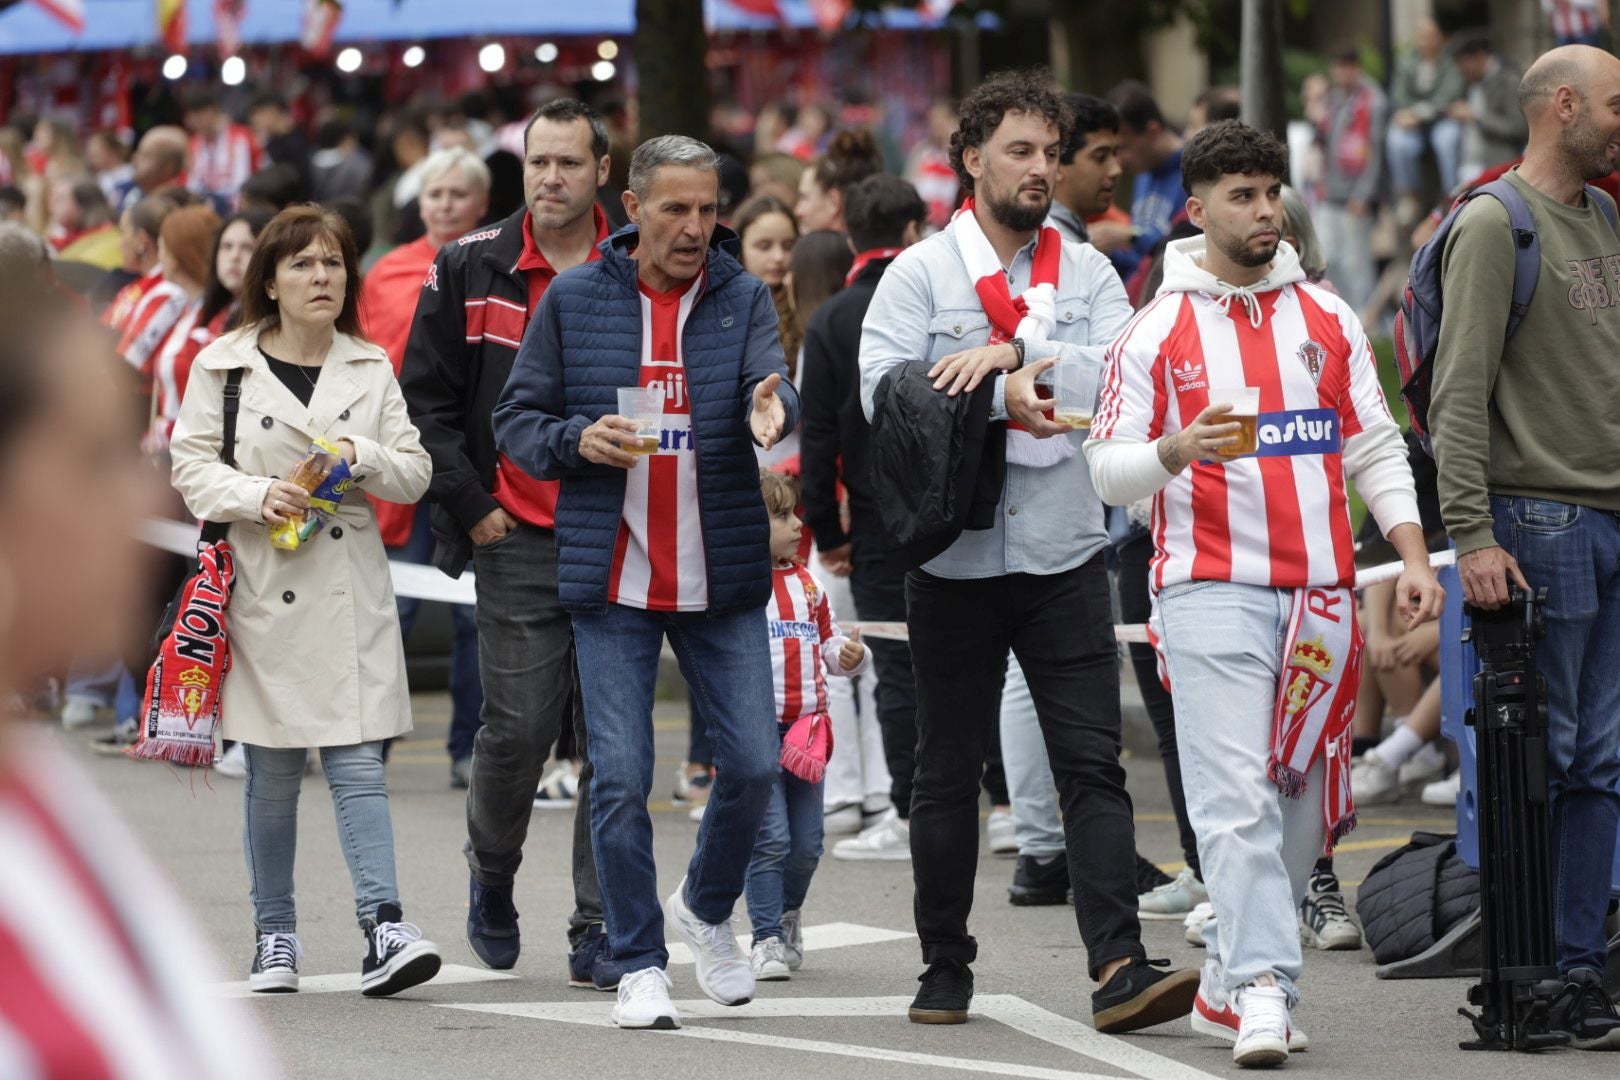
[(315, 644)]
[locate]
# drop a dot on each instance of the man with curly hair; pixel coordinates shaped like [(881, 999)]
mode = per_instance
[(991, 303), (1255, 562)]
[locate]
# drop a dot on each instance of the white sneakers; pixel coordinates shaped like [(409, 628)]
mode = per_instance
[(768, 961), (1262, 1038), (1002, 832), (1215, 1015), (644, 1001), (887, 841), (1194, 923), (233, 762), (793, 939), (1174, 899), (723, 972), (842, 820), (1372, 781), (1443, 792)]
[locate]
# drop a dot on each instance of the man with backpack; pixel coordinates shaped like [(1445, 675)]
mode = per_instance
[(1525, 419)]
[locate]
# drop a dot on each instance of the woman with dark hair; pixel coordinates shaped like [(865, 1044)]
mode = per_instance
[(104, 972), (851, 157), (316, 659), (821, 260), (767, 232)]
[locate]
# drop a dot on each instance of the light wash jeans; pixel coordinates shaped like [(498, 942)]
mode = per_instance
[(1036, 821), (786, 853), (859, 771), (1347, 242), (365, 830), (1406, 146), (1224, 646)]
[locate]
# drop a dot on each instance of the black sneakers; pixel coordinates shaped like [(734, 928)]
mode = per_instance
[(275, 964), (1040, 882), (1139, 996), (1584, 1012), (492, 925), (947, 990), (397, 957), (1149, 876)]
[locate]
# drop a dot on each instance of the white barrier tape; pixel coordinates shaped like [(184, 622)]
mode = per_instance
[(427, 583)]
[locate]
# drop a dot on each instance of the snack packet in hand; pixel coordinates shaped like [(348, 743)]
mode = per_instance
[(325, 475)]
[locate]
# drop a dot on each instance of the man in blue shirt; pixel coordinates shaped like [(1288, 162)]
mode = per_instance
[(1151, 150)]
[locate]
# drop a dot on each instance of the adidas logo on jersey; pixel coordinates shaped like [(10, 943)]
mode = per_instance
[(1189, 375)]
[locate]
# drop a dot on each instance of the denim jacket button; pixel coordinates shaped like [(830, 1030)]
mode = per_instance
[(1012, 511), (957, 329)]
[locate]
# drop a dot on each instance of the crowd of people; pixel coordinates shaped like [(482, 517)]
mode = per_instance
[(521, 385)]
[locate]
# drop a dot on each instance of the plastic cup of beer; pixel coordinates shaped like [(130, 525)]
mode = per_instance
[(1245, 402), (1075, 392), (643, 406)]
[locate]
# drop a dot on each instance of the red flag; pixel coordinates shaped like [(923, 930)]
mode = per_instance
[(171, 17), (228, 25), (68, 12), (830, 14), (766, 8), (320, 26)]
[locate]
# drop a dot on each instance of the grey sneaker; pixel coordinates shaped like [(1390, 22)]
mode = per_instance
[(793, 939), (1175, 900), (768, 961)]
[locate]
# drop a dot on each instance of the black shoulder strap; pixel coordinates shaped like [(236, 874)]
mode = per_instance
[(214, 531)]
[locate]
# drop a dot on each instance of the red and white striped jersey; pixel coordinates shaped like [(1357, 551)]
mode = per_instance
[(658, 561), (170, 371), (148, 326), (220, 165), (104, 977), (805, 643), (1572, 18), (1280, 517)]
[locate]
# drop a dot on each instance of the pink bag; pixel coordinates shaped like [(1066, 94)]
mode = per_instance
[(807, 746)]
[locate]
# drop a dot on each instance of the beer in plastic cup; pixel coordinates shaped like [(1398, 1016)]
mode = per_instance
[(1075, 391), (1245, 402), (643, 405)]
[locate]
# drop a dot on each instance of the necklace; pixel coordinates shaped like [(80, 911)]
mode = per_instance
[(303, 369)]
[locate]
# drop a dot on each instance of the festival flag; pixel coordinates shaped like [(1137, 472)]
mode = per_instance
[(171, 18), (69, 13), (766, 8), (830, 14), (320, 26), (228, 25)]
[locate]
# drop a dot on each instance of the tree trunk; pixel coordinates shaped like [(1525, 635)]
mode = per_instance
[(672, 64), (1261, 59)]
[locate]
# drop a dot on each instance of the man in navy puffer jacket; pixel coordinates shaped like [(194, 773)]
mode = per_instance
[(674, 542)]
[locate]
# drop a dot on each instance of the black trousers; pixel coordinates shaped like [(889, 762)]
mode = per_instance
[(880, 596), (1135, 606), (1060, 627)]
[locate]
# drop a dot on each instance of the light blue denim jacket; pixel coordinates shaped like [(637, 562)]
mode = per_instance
[(1049, 520)]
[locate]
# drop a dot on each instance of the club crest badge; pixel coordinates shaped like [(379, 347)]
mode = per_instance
[(1313, 356)]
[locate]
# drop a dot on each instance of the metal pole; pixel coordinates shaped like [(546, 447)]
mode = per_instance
[(1260, 60)]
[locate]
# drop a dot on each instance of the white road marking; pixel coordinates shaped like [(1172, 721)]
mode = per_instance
[(349, 982), (1013, 1011), (838, 935)]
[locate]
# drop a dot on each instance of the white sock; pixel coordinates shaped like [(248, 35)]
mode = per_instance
[(1401, 744)]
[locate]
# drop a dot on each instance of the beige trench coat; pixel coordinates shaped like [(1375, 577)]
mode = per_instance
[(316, 657)]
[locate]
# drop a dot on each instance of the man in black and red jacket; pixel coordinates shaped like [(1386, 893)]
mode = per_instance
[(475, 305), (883, 214)]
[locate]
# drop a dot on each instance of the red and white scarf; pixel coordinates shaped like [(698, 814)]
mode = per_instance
[(183, 686), (1316, 700), (1030, 316)]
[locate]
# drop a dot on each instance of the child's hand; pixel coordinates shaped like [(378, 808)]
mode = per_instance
[(853, 651)]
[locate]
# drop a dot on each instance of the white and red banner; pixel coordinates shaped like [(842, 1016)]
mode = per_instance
[(69, 13), (228, 25), (321, 18)]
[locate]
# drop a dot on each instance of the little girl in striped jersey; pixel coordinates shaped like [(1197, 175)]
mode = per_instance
[(806, 647)]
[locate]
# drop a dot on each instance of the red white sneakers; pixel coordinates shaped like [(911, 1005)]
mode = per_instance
[(1215, 1015)]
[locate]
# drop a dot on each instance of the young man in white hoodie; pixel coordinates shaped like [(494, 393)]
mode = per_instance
[(1253, 568)]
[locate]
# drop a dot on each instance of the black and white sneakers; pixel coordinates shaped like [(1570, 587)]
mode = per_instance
[(397, 956), (275, 964)]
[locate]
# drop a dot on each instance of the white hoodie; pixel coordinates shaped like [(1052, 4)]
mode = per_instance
[(1126, 468)]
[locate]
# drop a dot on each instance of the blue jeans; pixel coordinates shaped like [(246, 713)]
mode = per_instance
[(786, 853), (1574, 552), (1406, 146), (726, 661), (1224, 643), (1036, 821), (466, 691), (270, 837)]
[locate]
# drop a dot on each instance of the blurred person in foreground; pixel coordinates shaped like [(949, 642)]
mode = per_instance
[(474, 307), (985, 308), (316, 658), (101, 977), (1254, 566), (454, 199), (672, 542), (1526, 436)]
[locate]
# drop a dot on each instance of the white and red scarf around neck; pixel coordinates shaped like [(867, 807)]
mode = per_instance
[(1018, 316), (1316, 701)]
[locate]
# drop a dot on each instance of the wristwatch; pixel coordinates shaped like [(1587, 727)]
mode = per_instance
[(1018, 346)]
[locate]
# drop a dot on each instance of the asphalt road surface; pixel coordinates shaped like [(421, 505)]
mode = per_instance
[(842, 1016)]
